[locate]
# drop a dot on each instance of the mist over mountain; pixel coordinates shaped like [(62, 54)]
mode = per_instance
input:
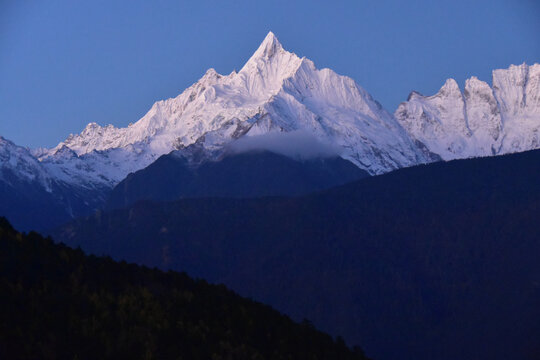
[(299, 145), (274, 164)]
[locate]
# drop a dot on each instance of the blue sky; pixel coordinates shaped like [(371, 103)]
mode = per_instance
[(65, 63)]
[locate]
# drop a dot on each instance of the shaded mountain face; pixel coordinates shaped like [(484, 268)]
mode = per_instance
[(32, 207), (33, 199), (57, 303), (245, 175), (431, 262)]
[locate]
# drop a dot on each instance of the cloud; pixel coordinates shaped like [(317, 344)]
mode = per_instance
[(295, 144)]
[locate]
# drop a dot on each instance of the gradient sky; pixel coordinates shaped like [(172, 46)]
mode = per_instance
[(66, 63)]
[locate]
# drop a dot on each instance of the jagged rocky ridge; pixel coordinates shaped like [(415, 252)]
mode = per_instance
[(58, 303), (480, 121)]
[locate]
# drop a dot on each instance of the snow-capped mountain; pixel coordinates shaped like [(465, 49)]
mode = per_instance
[(275, 91), (481, 120)]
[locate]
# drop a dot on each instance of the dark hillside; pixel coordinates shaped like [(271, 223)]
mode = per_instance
[(430, 262), (57, 303), (246, 175)]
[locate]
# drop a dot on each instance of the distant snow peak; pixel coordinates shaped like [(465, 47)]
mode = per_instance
[(268, 47), (482, 121)]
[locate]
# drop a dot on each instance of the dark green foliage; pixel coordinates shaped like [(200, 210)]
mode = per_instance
[(58, 303)]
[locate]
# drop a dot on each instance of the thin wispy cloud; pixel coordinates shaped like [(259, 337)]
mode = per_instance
[(295, 144)]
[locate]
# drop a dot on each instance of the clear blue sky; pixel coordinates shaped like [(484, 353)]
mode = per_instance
[(65, 63)]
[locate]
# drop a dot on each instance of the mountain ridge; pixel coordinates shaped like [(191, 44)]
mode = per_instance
[(482, 120), (277, 92), (274, 91)]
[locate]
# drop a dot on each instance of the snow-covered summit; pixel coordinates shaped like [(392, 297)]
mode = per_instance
[(481, 120), (275, 91), (268, 48)]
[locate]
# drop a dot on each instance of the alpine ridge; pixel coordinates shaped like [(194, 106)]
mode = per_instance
[(481, 120)]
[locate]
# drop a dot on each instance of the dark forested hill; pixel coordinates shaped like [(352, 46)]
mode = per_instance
[(431, 262), (57, 303), (245, 175)]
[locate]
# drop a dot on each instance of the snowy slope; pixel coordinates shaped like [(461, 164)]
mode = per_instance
[(275, 91), (17, 165), (481, 120)]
